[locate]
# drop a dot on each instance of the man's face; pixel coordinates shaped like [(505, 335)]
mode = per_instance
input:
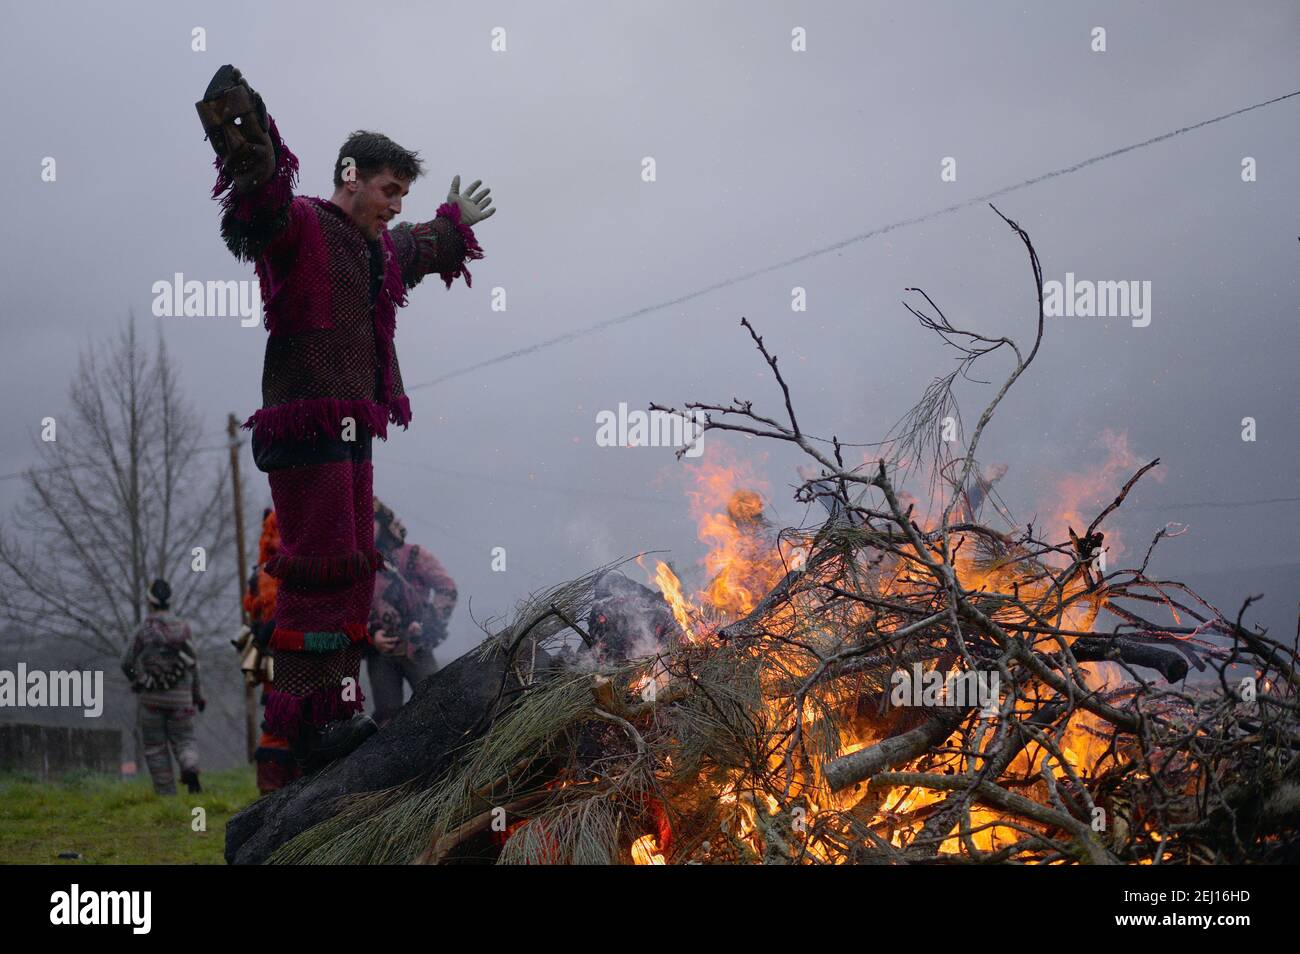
[(377, 200)]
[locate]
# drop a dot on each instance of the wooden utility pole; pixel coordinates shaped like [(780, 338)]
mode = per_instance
[(250, 691)]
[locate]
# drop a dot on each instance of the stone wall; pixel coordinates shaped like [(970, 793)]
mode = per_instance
[(48, 751)]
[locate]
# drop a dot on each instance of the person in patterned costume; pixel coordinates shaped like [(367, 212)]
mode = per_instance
[(414, 599), (162, 666), (332, 275)]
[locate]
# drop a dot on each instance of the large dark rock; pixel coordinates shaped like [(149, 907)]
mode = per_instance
[(443, 714), (447, 711)]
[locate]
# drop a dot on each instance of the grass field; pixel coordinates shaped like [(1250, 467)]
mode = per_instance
[(107, 821)]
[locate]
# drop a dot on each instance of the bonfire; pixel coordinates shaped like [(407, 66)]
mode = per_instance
[(893, 683)]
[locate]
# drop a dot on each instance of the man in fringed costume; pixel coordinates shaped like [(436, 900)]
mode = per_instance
[(332, 275)]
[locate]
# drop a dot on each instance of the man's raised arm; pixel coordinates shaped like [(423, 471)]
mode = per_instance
[(446, 243), (256, 172)]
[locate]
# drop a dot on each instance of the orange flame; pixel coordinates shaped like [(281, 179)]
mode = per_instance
[(744, 562)]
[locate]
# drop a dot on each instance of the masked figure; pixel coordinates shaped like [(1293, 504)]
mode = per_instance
[(332, 276)]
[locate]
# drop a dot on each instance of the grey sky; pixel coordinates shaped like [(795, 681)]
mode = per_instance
[(762, 154)]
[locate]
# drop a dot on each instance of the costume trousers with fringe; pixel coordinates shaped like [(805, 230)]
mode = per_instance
[(323, 495)]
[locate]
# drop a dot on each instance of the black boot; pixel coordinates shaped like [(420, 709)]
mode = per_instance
[(317, 748), (191, 780)]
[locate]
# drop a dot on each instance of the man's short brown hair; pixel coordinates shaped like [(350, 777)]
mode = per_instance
[(371, 153)]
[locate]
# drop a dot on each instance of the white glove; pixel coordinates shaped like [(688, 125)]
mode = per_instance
[(473, 208)]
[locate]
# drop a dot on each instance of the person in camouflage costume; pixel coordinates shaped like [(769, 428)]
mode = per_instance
[(162, 667)]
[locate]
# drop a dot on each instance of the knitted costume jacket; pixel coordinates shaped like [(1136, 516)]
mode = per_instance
[(330, 298), (163, 628), (414, 588)]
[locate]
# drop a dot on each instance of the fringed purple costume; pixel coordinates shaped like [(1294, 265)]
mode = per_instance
[(330, 298)]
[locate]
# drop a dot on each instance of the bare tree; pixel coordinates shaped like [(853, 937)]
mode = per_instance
[(122, 495)]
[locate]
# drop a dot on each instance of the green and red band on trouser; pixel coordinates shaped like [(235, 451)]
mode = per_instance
[(326, 572)]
